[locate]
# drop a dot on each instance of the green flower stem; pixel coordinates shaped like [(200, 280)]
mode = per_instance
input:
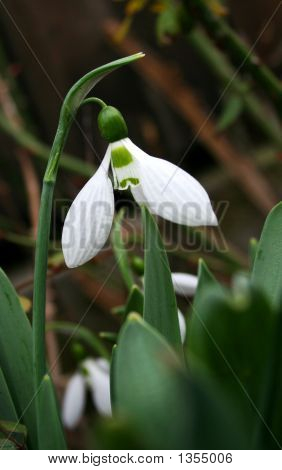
[(92, 100), (41, 254), (70, 106)]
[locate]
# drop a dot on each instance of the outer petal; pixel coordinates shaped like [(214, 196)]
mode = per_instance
[(184, 284), (182, 326), (170, 192), (74, 401), (89, 219), (99, 383)]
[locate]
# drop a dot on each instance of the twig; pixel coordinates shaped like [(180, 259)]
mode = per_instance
[(220, 66), (242, 54), (37, 149)]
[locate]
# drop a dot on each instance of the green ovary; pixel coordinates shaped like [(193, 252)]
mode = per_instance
[(121, 157), (129, 181)]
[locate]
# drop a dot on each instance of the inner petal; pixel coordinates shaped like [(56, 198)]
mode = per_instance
[(124, 166)]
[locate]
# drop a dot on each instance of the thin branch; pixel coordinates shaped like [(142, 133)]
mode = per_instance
[(240, 52)]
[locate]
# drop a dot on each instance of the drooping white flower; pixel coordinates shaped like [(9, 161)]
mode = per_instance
[(74, 401), (94, 374), (98, 380), (184, 284), (164, 188), (182, 326)]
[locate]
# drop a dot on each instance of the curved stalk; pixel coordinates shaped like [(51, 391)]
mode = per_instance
[(70, 106)]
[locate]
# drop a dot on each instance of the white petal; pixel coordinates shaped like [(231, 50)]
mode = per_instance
[(99, 382), (184, 284), (74, 401), (89, 219), (182, 326), (170, 192)]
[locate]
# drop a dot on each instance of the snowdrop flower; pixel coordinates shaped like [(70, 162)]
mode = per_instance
[(94, 374), (182, 326), (184, 284), (164, 188)]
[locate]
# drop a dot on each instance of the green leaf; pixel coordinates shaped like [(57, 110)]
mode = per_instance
[(135, 301), (120, 251), (50, 432), (16, 356), (72, 102), (232, 110), (230, 340), (160, 309), (7, 407), (80, 333), (169, 22), (269, 431), (167, 409), (205, 280), (267, 270)]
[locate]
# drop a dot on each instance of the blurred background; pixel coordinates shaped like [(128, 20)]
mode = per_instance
[(207, 97)]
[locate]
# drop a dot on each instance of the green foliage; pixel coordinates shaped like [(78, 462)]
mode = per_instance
[(230, 338), (166, 407), (205, 280), (16, 357), (135, 301), (121, 252), (231, 112), (7, 407), (12, 435), (50, 432), (80, 333), (267, 270), (160, 309)]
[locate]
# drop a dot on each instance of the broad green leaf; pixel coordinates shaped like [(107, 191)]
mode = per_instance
[(168, 409), (50, 431), (120, 251), (230, 339), (267, 270), (160, 309), (80, 333), (16, 356), (135, 301), (7, 407)]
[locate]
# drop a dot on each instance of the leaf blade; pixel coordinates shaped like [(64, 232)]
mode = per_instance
[(160, 309), (16, 356)]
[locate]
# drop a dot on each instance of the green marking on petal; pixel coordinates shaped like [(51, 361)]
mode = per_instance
[(121, 157), (127, 181)]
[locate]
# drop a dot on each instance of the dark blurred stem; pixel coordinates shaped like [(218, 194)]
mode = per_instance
[(39, 150), (242, 54), (222, 69)]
